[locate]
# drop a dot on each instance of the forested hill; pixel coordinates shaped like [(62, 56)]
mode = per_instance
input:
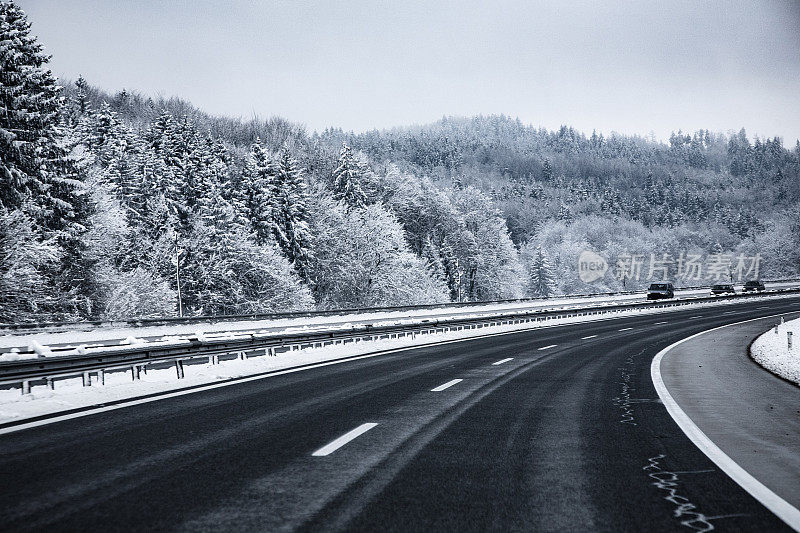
[(536, 175), (99, 193)]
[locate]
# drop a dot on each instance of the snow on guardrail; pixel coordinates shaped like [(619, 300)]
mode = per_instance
[(160, 337), (87, 333)]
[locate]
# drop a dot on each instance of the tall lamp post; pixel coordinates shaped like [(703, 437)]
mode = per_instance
[(178, 275), (458, 274)]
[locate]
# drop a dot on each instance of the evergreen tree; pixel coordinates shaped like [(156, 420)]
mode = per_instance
[(32, 163), (540, 282), (35, 170), (259, 177), (547, 170), (348, 180), (291, 212), (81, 101)]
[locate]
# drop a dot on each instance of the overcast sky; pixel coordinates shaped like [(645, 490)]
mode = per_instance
[(632, 67)]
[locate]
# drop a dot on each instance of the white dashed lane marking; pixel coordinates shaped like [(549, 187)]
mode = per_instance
[(501, 361), (548, 347), (344, 439), (588, 337), (447, 385), (624, 329)]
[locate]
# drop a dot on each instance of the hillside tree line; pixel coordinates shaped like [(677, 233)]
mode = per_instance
[(105, 200)]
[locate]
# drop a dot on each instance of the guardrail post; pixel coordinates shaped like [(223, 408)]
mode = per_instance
[(87, 379), (26, 387), (242, 356), (136, 372), (51, 384), (101, 376), (270, 351), (179, 368), (789, 339)]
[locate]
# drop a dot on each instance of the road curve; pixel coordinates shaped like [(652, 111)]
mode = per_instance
[(743, 417), (549, 429)]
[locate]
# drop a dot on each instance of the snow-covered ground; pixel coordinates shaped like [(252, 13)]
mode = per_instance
[(94, 334), (89, 334), (771, 350), (70, 394)]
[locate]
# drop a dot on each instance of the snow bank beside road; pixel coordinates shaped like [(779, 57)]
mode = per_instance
[(95, 334), (771, 350)]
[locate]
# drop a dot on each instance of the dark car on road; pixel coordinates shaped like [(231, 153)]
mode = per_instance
[(657, 291), (754, 286), (722, 288)]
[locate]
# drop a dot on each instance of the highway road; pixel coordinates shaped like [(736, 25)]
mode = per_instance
[(550, 429)]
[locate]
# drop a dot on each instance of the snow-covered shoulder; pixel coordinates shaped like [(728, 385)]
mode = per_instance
[(772, 350)]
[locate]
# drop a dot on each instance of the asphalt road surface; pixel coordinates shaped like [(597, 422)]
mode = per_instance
[(550, 429)]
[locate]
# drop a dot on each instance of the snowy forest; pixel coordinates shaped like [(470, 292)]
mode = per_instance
[(110, 204)]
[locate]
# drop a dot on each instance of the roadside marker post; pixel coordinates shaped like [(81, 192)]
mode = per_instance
[(789, 340)]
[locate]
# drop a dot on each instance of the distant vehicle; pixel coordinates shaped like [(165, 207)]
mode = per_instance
[(722, 288), (657, 291), (754, 285)]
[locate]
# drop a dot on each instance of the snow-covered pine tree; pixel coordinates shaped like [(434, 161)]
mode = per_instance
[(564, 213), (291, 212), (35, 172), (260, 193), (32, 164), (541, 281), (81, 100), (117, 152), (174, 163), (228, 176), (348, 177)]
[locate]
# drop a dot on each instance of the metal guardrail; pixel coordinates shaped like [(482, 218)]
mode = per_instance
[(141, 322), (136, 360)]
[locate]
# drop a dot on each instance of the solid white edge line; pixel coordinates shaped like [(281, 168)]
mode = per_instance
[(780, 507), (624, 329), (588, 337), (548, 347), (344, 439), (137, 401), (501, 361), (659, 323), (447, 385)]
